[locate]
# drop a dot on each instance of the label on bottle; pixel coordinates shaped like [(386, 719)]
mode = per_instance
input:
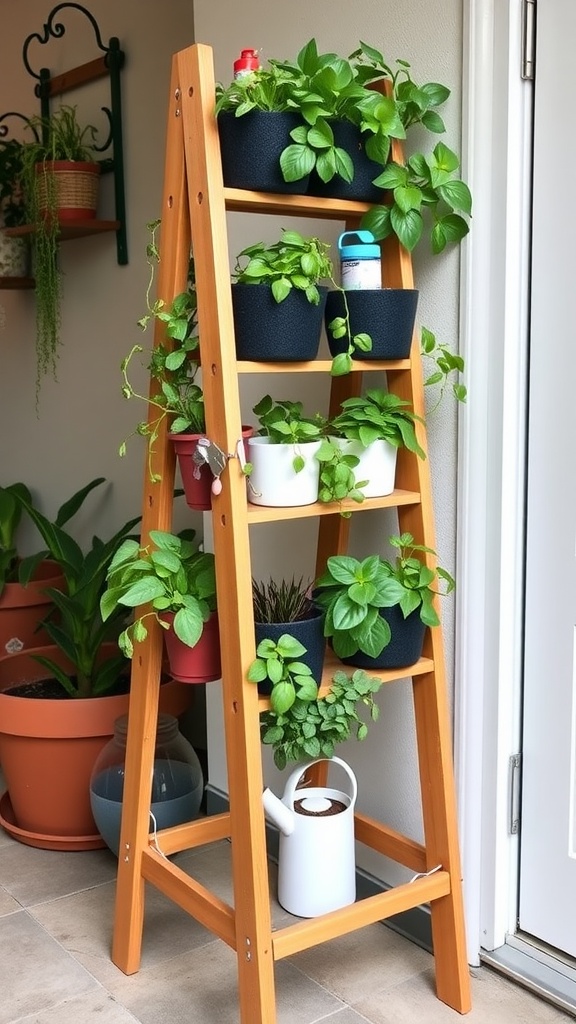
[(358, 275)]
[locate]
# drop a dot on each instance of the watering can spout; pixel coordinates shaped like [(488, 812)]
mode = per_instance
[(278, 813)]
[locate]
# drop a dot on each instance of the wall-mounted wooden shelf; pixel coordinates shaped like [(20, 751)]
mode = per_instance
[(16, 283), (69, 229)]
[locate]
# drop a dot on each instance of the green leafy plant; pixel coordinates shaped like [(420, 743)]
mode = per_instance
[(278, 662), (11, 507), (57, 137), (172, 364), (297, 262), (171, 575), (284, 423), (416, 579), (286, 601), (12, 208), (312, 728), (267, 89), (337, 478), (447, 367), (79, 631), (327, 88), (422, 183), (378, 415), (292, 262), (352, 592)]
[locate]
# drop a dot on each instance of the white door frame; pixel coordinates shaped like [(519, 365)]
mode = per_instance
[(496, 150)]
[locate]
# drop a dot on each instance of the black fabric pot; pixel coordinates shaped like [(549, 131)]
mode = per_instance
[(405, 647), (348, 137), (386, 314), (310, 633), (272, 332), (250, 147)]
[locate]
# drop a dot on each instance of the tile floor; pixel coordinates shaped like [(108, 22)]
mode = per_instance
[(55, 927)]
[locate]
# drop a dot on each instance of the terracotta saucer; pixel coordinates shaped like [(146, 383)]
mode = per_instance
[(43, 842)]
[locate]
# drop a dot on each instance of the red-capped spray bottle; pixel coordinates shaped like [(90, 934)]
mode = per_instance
[(247, 62)]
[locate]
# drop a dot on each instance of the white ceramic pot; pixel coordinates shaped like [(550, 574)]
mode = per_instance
[(14, 256), (377, 465), (274, 481)]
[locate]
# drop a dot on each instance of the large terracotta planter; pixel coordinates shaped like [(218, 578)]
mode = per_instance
[(48, 749), (23, 608)]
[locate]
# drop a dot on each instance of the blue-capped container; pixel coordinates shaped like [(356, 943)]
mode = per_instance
[(360, 264)]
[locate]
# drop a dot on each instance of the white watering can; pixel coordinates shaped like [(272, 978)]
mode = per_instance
[(316, 863)]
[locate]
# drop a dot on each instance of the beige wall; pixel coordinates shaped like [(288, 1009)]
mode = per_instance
[(83, 418), (428, 35)]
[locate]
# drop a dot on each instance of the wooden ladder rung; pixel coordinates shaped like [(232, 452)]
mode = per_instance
[(391, 844), (190, 895), (304, 934)]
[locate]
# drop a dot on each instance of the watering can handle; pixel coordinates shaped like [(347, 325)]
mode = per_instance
[(291, 784)]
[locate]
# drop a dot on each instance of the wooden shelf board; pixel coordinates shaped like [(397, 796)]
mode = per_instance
[(321, 366), (387, 675), (16, 283), (239, 200), (69, 229), (269, 514)]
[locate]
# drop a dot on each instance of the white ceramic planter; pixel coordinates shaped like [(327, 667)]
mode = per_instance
[(14, 256), (273, 480), (377, 465)]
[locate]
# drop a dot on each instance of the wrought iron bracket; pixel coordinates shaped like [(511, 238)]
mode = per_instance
[(108, 65)]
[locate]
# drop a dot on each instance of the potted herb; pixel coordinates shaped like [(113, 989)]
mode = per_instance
[(282, 456), (333, 129), (376, 610), (278, 664), (177, 581), (311, 727), (58, 703), (60, 185), (371, 428), (14, 252), (255, 115), (277, 299), (175, 397), (24, 582), (286, 607)]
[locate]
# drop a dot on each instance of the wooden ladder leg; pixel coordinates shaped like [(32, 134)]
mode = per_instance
[(441, 840), (156, 515)]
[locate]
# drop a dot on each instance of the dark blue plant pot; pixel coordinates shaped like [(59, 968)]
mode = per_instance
[(348, 137), (405, 647), (310, 633), (250, 148), (386, 314), (271, 332)]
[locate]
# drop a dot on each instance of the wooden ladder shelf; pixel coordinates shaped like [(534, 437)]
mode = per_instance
[(194, 208)]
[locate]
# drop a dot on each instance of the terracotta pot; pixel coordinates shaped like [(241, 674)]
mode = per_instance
[(197, 480), (23, 608), (199, 664), (48, 749)]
